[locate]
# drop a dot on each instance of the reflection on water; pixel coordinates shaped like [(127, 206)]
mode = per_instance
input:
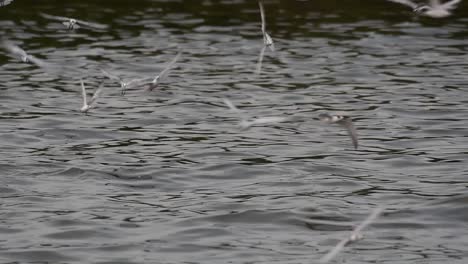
[(167, 176)]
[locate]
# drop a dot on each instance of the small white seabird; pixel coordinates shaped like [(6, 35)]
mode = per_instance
[(73, 23), (356, 234), (123, 83), (267, 40), (15, 50), (343, 121), (93, 99), (158, 78), (246, 122), (433, 9), (19, 52)]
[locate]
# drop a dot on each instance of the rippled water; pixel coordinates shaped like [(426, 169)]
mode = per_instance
[(168, 177)]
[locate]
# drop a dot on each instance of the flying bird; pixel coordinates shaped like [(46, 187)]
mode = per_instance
[(356, 234), (342, 121), (15, 50), (73, 23), (19, 52), (157, 79), (55, 69), (433, 9), (123, 83), (93, 99), (267, 40), (246, 122)]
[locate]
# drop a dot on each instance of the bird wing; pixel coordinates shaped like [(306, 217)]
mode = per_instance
[(267, 40), (268, 120), (83, 93), (38, 62), (111, 76), (10, 47), (91, 24), (348, 124), (434, 3), (374, 214), (332, 253), (137, 82), (244, 123), (58, 18), (5, 2), (262, 15), (164, 72), (20, 52), (231, 106), (450, 4), (260, 60), (405, 2), (96, 94)]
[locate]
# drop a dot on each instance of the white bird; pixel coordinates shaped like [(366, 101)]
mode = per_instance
[(267, 40), (72, 23), (123, 83), (15, 50), (157, 80), (19, 52), (433, 9), (247, 122), (93, 99), (5, 2), (342, 121), (355, 235)]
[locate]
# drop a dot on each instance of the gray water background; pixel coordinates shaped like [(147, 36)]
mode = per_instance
[(168, 177)]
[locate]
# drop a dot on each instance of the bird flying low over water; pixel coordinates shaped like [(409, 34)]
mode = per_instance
[(150, 83), (19, 52), (93, 99), (5, 2), (433, 9), (342, 121), (72, 23), (247, 122), (267, 40), (124, 84), (356, 234), (158, 78)]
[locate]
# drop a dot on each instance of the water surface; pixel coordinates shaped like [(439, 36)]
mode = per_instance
[(168, 176)]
